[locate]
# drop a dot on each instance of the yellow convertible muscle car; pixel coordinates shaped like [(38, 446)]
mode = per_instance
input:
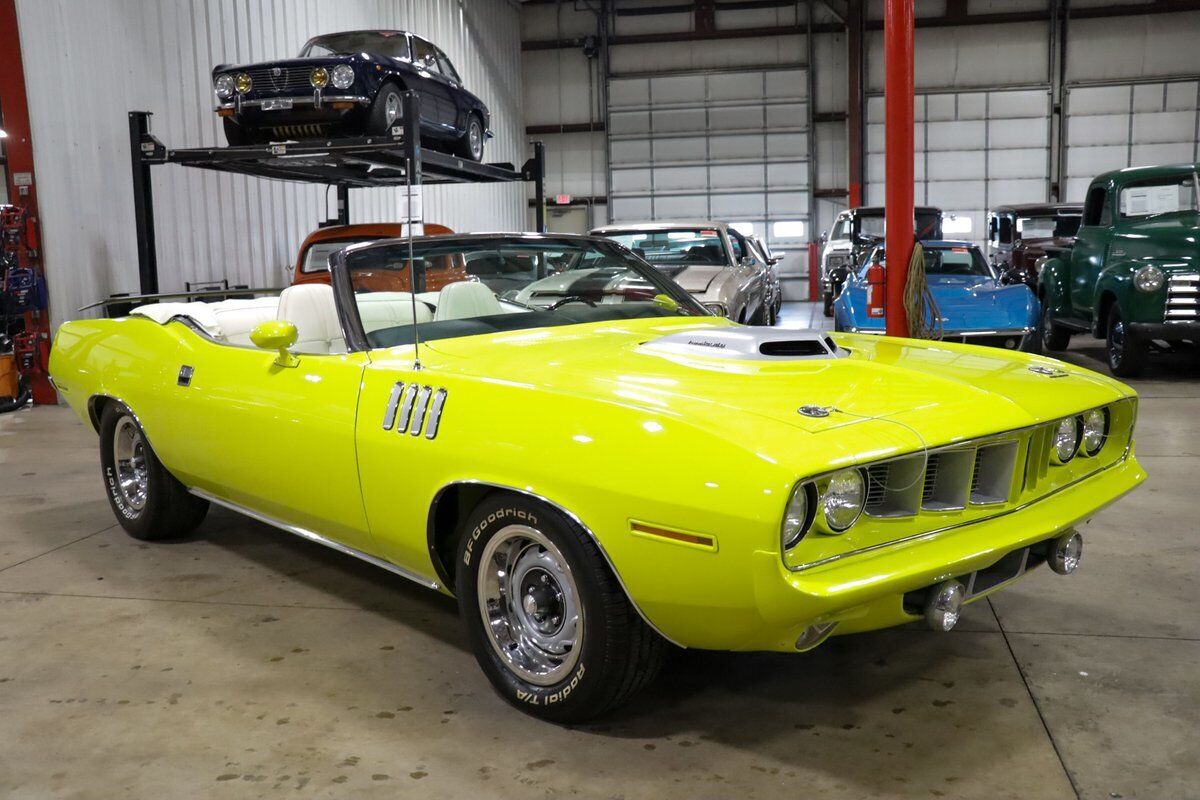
[(591, 463)]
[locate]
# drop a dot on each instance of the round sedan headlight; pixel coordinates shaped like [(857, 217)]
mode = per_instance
[(717, 308), (843, 499), (242, 83), (1149, 279), (1095, 430), (342, 76), (224, 86), (797, 517), (1066, 439), (319, 78)]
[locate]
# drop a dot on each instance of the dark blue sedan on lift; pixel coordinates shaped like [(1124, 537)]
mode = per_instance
[(350, 84), (973, 306)]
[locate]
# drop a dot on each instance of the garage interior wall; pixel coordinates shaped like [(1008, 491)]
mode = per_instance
[(984, 125), (112, 56)]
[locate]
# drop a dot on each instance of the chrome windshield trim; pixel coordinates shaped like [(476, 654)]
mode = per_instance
[(313, 536)]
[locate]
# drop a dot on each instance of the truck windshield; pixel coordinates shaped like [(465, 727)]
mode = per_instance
[(1049, 227), (926, 225), (1163, 196)]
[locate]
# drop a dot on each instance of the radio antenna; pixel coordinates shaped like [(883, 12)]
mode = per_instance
[(412, 265)]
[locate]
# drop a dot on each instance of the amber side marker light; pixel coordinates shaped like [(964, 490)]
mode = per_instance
[(655, 532)]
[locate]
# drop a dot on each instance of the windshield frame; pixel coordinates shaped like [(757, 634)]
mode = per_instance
[(347, 307), (976, 256)]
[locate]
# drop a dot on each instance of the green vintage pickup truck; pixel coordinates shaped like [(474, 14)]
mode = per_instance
[(1132, 277)]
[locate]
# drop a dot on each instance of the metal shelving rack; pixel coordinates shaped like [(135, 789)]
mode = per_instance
[(351, 163)]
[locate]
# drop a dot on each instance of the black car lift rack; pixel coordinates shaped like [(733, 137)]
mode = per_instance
[(361, 162)]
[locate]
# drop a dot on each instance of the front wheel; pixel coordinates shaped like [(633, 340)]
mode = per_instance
[(548, 622), (1127, 352), (471, 144), (147, 500), (385, 111), (1055, 338)]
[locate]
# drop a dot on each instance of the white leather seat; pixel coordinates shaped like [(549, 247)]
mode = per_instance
[(380, 310), (310, 307), (467, 300), (236, 318)]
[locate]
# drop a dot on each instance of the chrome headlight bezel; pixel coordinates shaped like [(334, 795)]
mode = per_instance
[(319, 77), (223, 86), (242, 83), (717, 308), (1074, 425), (798, 515), (855, 493), (1149, 279), (342, 76), (1095, 428)]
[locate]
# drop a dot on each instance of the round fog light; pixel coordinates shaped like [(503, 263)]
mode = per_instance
[(943, 604), (1065, 553)]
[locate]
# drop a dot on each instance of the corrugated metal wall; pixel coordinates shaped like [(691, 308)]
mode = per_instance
[(88, 63)]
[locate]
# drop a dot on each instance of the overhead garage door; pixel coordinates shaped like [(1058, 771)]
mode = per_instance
[(973, 150), (729, 145), (1129, 125)]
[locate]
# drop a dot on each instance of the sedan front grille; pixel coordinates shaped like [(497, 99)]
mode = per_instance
[(265, 78), (1183, 298)]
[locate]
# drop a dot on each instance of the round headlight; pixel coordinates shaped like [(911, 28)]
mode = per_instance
[(1066, 439), (242, 83), (1095, 430), (796, 517), (224, 86), (717, 308), (342, 76), (1149, 279), (319, 78), (843, 499)]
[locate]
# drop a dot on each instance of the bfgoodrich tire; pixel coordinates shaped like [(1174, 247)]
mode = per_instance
[(147, 500), (548, 621)]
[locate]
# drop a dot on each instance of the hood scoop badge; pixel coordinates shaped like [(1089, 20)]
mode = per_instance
[(749, 344)]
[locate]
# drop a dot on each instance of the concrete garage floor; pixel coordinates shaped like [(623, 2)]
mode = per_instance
[(247, 663)]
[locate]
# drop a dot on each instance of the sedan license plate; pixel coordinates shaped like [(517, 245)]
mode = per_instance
[(277, 104)]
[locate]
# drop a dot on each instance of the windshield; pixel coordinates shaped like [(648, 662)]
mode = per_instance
[(1049, 227), (394, 44), (466, 287), (1159, 197), (316, 257), (926, 225), (685, 246), (944, 261)]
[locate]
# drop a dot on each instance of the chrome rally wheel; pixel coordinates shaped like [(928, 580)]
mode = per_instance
[(530, 605), (132, 471)]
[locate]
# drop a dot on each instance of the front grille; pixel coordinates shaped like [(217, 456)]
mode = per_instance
[(1183, 298), (264, 78)]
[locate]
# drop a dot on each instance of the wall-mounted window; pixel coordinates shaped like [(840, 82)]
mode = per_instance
[(788, 229), (959, 224), (744, 228)]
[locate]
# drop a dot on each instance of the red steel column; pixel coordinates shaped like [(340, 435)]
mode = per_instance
[(898, 158)]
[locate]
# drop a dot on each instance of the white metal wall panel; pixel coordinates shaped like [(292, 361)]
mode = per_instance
[(86, 64), (1127, 125), (724, 145), (974, 150)]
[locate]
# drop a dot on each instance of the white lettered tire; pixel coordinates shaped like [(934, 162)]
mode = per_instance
[(549, 623)]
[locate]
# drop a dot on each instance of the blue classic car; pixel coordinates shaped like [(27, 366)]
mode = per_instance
[(350, 84), (972, 305)]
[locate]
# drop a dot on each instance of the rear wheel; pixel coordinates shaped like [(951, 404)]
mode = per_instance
[(471, 144), (147, 500), (1126, 351), (548, 622), (828, 304)]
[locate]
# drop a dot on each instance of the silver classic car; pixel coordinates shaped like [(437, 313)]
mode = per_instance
[(711, 260)]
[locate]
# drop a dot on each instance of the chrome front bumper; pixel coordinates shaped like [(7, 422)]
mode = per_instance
[(317, 100)]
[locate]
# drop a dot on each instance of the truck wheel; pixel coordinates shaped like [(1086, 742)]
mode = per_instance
[(147, 500), (828, 305), (548, 622), (1055, 338), (1127, 352)]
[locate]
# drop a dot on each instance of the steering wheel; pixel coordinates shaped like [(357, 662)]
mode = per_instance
[(571, 298)]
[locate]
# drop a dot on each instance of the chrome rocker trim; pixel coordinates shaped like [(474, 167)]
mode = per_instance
[(312, 536)]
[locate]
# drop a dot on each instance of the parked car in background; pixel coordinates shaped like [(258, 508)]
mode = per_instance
[(972, 305), (1019, 234), (350, 84), (600, 467), (312, 262), (711, 260), (1132, 275), (775, 286), (854, 232)]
